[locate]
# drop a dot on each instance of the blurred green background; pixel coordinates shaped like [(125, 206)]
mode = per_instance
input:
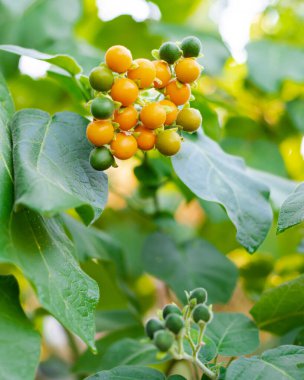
[(251, 95)]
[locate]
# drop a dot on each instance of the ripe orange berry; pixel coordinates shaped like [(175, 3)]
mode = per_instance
[(171, 111), (124, 146), (163, 74), (126, 117), (125, 91), (144, 74), (153, 115), (178, 93), (100, 132), (187, 70), (146, 138), (118, 58)]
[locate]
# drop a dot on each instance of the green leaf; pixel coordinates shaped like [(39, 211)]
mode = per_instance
[(128, 373), (279, 187), (129, 352), (233, 333), (91, 363), (6, 165), (111, 320), (43, 252), (264, 70), (17, 335), (63, 61), (281, 363), (281, 309), (216, 176), (190, 265), (295, 110), (51, 165), (292, 210), (91, 242)]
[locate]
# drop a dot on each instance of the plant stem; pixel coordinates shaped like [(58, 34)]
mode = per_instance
[(202, 366)]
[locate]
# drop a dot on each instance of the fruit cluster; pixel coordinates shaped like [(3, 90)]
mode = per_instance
[(175, 326), (142, 104)]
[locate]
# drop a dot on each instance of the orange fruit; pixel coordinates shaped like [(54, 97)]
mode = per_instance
[(100, 132), (146, 138), (187, 70), (153, 115), (118, 58), (125, 91), (144, 74), (178, 93), (163, 74), (124, 146), (126, 117), (171, 111)]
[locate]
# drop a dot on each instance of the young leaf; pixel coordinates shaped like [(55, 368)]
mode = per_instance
[(194, 264), (216, 176), (233, 334), (292, 210), (281, 363), (17, 335), (41, 249), (63, 61), (51, 165), (127, 373), (281, 309)]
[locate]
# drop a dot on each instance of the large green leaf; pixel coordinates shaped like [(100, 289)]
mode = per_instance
[(191, 265), (233, 334), (281, 363), (279, 187), (20, 343), (128, 373), (281, 309), (43, 252), (216, 176), (6, 165), (270, 63), (63, 61), (51, 164), (292, 210), (91, 363), (129, 352)]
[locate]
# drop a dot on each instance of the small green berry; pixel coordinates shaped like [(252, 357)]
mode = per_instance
[(152, 326), (191, 46), (199, 294), (201, 313), (171, 309), (174, 323), (169, 52), (163, 340)]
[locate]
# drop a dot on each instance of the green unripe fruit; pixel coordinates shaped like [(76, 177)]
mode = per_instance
[(199, 294), (169, 52), (201, 313), (163, 340), (152, 326), (174, 323), (168, 142), (191, 46), (171, 309), (101, 158), (102, 108), (101, 78), (190, 119)]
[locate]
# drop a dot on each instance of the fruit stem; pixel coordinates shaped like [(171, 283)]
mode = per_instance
[(205, 370)]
